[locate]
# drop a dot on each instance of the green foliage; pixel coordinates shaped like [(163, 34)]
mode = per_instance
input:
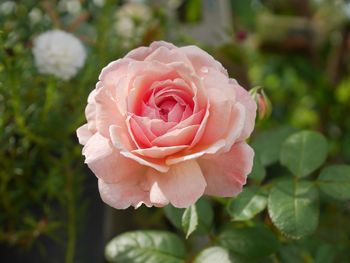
[(146, 246), (251, 242), (249, 203), (190, 220), (268, 144), (289, 206), (335, 181), (197, 218), (304, 152), (293, 207), (258, 172)]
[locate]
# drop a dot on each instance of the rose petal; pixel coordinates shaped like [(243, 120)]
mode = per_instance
[(122, 142), (245, 99), (176, 137), (182, 185), (227, 173), (196, 153), (84, 134), (107, 112), (106, 162), (199, 59), (160, 152), (142, 52), (125, 193), (96, 148)]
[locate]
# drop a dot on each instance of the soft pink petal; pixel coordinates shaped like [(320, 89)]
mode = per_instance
[(160, 152), (246, 100), (236, 125), (122, 142), (96, 148), (226, 174), (201, 59), (159, 127), (176, 137), (191, 120), (141, 130), (196, 152), (107, 112), (90, 111), (165, 55), (113, 71), (176, 113), (142, 52), (125, 193), (182, 185), (106, 162), (218, 121), (84, 134)]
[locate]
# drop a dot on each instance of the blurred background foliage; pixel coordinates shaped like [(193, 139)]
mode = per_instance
[(296, 50)]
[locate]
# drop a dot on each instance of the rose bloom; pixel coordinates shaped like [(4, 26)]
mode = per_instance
[(167, 125)]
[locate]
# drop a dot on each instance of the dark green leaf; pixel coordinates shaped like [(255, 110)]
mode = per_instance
[(325, 254), (174, 215), (246, 205), (304, 152), (251, 241), (258, 172), (190, 220), (293, 207), (204, 211), (335, 181), (268, 144), (146, 247)]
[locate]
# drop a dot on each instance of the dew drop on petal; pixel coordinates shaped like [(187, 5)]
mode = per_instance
[(204, 70)]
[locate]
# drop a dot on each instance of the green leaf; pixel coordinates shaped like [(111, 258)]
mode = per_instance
[(252, 242), (268, 144), (174, 215), (204, 211), (258, 172), (146, 247), (190, 220), (325, 253), (293, 207), (214, 254), (246, 205), (335, 181), (304, 152)]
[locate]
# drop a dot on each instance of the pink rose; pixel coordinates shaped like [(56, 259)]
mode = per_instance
[(167, 125)]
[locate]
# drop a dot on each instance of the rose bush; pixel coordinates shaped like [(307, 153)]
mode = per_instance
[(167, 125)]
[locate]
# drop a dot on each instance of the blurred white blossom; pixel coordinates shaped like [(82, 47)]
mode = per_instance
[(59, 53), (35, 15), (132, 22), (71, 6), (7, 7), (99, 3)]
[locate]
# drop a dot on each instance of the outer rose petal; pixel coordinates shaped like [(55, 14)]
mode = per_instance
[(182, 185), (84, 134), (199, 59), (247, 101), (142, 52), (227, 173), (106, 162), (125, 193)]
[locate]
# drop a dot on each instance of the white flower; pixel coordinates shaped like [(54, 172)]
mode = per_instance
[(7, 7), (35, 15), (58, 53), (132, 22), (99, 3)]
